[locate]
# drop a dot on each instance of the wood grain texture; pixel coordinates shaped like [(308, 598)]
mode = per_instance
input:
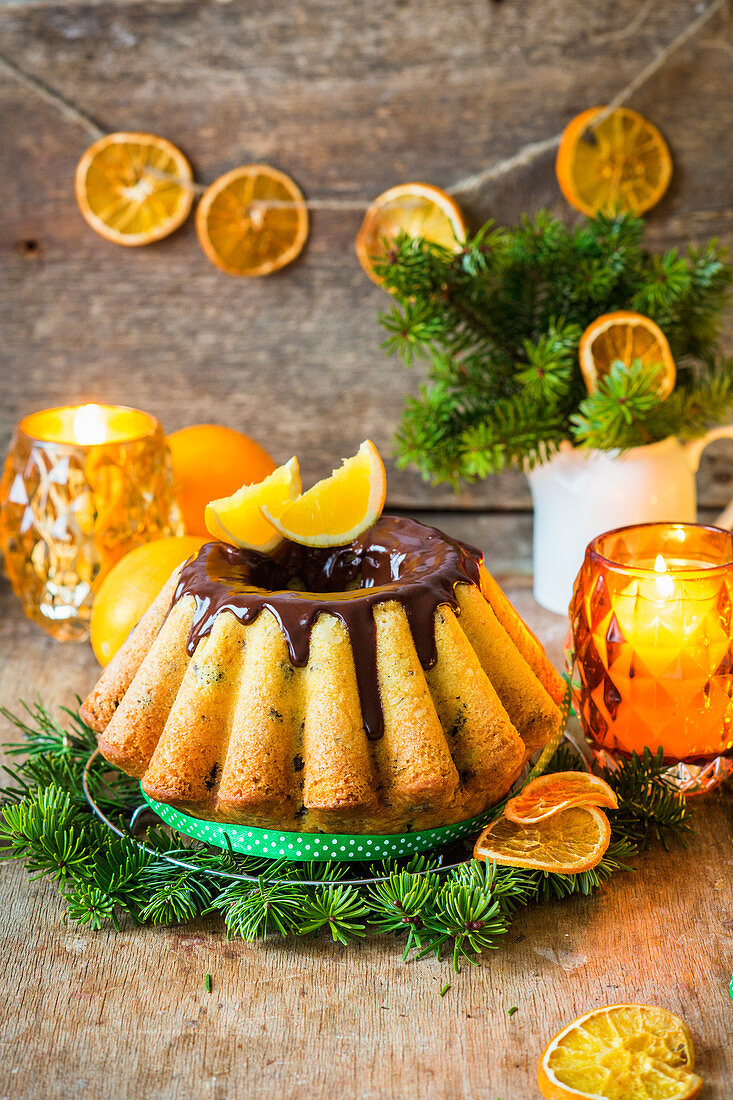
[(349, 98), (125, 1015)]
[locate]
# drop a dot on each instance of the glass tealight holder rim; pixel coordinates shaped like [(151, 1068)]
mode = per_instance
[(597, 558), (21, 429)]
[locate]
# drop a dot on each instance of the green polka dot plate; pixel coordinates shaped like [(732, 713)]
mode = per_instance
[(279, 844)]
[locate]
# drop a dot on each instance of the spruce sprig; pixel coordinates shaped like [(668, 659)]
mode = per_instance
[(466, 911), (338, 909), (498, 325)]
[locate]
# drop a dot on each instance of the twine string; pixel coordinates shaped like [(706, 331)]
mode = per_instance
[(466, 186)]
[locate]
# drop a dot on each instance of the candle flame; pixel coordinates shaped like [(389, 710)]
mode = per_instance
[(89, 426), (665, 584)]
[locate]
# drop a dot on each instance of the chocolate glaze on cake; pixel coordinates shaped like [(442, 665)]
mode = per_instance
[(396, 559)]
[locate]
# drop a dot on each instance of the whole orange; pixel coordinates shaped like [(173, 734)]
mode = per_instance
[(212, 462), (130, 587)]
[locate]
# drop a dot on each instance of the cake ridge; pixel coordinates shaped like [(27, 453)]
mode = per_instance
[(398, 559)]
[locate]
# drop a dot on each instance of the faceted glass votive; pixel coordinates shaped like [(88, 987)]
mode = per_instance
[(651, 647), (81, 487)]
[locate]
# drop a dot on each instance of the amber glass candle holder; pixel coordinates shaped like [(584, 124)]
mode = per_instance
[(81, 486), (650, 648)]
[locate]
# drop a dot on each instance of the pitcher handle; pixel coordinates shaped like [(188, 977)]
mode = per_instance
[(694, 449)]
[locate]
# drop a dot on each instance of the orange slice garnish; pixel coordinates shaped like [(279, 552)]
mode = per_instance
[(133, 188), (239, 520), (339, 508), (549, 794), (626, 336), (413, 208), (619, 1052), (566, 843), (621, 164), (252, 221)]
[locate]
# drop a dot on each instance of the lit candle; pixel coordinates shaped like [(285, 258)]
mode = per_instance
[(652, 640), (82, 485), (89, 425)]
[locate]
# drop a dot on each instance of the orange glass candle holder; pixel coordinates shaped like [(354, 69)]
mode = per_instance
[(651, 647), (81, 486)]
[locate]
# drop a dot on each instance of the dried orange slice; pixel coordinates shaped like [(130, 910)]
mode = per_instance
[(549, 794), (413, 208), (626, 336), (252, 221), (341, 506), (566, 843), (619, 1052), (130, 587), (621, 164), (238, 519), (133, 188)]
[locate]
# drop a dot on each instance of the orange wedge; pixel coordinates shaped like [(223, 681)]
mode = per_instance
[(566, 843), (133, 188), (413, 208), (252, 221), (238, 519), (625, 336), (549, 794), (621, 164), (341, 506), (620, 1052)]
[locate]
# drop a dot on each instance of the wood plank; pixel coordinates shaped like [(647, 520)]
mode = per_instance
[(349, 99), (126, 1015)]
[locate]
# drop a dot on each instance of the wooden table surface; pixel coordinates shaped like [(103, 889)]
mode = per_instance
[(350, 98), (125, 1015)]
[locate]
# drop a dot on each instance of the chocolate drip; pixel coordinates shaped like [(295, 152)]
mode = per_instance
[(397, 559)]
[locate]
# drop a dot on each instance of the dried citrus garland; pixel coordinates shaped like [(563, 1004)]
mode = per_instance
[(241, 227), (612, 162), (136, 188), (413, 208), (626, 337)]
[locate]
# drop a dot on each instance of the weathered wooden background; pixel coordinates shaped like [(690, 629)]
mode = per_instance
[(350, 98)]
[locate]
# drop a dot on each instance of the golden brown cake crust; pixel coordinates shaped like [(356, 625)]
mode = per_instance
[(99, 707), (229, 724)]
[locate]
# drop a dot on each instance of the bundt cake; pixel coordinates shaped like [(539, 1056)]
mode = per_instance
[(384, 686)]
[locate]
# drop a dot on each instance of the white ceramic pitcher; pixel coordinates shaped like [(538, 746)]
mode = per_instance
[(579, 494)]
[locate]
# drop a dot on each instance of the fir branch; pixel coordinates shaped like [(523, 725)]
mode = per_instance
[(402, 905), (467, 915), (45, 829), (90, 905), (503, 385), (617, 414), (253, 912), (552, 373), (175, 899), (338, 909), (58, 755), (650, 808), (42, 734), (549, 886)]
